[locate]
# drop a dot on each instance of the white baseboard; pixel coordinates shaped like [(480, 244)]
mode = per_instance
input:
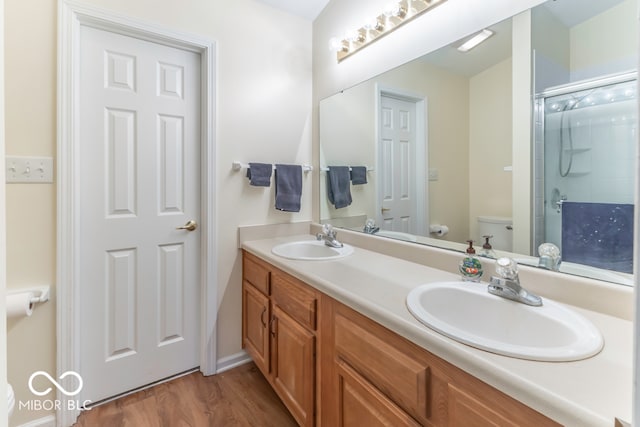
[(232, 361), (48, 421)]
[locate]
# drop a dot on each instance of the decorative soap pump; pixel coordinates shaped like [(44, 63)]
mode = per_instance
[(487, 251), (470, 266)]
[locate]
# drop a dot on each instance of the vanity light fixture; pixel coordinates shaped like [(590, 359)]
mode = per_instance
[(394, 15), (475, 40)]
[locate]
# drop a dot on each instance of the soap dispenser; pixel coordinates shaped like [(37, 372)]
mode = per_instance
[(487, 251), (470, 266)]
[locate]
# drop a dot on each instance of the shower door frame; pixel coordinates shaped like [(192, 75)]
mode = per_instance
[(538, 140)]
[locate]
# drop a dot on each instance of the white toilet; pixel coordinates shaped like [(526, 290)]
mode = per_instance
[(500, 227), (11, 399)]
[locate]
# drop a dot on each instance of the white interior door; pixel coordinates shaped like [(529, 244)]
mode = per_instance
[(139, 164), (397, 166)]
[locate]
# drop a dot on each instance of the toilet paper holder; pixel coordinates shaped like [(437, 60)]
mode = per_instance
[(41, 293)]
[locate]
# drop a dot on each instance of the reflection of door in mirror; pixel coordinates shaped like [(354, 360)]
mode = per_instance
[(400, 158)]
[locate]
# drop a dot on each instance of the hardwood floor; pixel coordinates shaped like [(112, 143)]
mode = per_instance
[(238, 397)]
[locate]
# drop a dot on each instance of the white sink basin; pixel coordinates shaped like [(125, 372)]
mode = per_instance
[(466, 312), (311, 250)]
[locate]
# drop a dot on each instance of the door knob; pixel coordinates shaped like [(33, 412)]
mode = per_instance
[(383, 210), (189, 226)]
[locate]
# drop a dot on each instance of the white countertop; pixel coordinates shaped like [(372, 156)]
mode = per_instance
[(589, 392)]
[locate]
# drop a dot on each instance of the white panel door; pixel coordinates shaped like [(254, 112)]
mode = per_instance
[(397, 160), (139, 161)]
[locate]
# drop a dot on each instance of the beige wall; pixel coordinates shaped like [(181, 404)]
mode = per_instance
[(490, 144), (595, 52), (30, 59), (263, 114)]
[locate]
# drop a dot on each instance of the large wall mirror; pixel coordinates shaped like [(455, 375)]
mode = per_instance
[(436, 137)]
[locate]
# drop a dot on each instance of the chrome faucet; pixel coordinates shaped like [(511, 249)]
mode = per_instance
[(507, 284), (549, 256), (328, 234), (370, 226)]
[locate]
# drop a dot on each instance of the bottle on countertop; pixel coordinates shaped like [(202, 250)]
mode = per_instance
[(470, 266), (487, 251)]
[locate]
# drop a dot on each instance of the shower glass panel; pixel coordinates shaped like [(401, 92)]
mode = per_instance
[(587, 155)]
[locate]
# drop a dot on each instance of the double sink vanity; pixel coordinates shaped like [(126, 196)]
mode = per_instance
[(351, 336)]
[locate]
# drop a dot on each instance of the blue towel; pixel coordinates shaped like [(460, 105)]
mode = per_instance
[(598, 234), (338, 186), (358, 175), (259, 174), (288, 187)]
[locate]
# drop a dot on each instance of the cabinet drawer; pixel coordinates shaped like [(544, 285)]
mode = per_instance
[(255, 272), (294, 298), (362, 404), (386, 362)]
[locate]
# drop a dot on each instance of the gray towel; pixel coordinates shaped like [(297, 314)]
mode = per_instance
[(358, 175), (288, 187), (259, 174), (338, 186)]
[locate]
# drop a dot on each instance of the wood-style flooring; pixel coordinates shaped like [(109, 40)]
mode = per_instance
[(238, 397)]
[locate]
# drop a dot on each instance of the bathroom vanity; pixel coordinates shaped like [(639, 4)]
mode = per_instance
[(336, 342)]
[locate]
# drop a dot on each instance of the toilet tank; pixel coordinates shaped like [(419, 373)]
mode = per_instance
[(500, 227)]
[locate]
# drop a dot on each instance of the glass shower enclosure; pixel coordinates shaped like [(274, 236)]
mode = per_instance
[(585, 151)]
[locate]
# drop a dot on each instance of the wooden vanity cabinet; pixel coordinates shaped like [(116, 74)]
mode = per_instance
[(371, 373), (279, 333), (365, 374)]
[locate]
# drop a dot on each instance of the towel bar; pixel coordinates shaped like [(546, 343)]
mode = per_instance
[(239, 165), (326, 169)]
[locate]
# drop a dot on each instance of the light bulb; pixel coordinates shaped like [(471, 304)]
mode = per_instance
[(394, 9), (374, 24), (336, 44), (354, 36)]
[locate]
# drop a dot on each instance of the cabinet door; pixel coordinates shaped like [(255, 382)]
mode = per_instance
[(255, 331), (293, 366), (362, 404), (466, 410)]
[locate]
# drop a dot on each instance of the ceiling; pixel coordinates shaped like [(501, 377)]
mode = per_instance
[(498, 48), (308, 9)]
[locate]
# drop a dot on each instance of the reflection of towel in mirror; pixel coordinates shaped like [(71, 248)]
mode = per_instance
[(288, 187), (338, 186), (358, 175), (259, 174), (598, 234)]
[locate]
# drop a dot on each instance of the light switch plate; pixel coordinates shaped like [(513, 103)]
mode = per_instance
[(433, 174), (20, 169)]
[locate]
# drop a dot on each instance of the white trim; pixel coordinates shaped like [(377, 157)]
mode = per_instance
[(422, 135), (72, 15), (233, 361)]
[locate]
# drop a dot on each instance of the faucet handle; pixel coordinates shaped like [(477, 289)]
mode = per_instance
[(328, 230), (507, 268), (549, 249)]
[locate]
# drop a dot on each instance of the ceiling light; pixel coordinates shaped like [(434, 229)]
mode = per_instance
[(475, 40), (394, 15)]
